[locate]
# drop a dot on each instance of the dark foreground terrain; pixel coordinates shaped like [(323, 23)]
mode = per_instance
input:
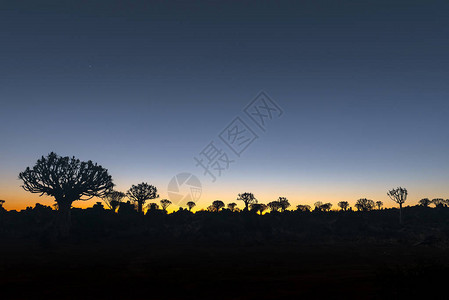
[(227, 256), (136, 270)]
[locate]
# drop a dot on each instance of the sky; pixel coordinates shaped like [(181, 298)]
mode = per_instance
[(143, 88)]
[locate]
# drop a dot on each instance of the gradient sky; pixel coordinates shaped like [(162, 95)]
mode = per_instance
[(141, 87)]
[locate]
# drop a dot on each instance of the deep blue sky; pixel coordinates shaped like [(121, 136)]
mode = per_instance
[(142, 87)]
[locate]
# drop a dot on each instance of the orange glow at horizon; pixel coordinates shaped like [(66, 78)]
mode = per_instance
[(20, 199), (307, 193)]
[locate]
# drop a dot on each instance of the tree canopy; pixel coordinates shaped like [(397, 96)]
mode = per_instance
[(247, 198), (140, 193), (66, 178)]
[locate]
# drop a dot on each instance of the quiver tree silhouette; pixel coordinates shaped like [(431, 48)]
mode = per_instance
[(140, 193), (232, 206), (398, 195), (191, 205), (318, 206), (165, 203), (258, 207), (303, 208), (280, 204), (262, 208), (1, 203), (283, 203), (379, 204), (439, 202), (425, 202), (217, 205), (326, 207), (274, 206), (364, 204), (67, 180), (113, 199), (152, 206), (247, 198), (344, 205)]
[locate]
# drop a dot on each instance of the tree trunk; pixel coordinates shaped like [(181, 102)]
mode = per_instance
[(400, 213), (139, 206), (63, 220)]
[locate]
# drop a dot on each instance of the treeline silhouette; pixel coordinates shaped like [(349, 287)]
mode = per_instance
[(422, 226), (130, 213)]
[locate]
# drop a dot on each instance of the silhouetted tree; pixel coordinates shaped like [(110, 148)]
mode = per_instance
[(1, 202), (113, 199), (152, 206), (283, 203), (258, 207), (326, 206), (247, 198), (274, 206), (232, 206), (344, 205), (318, 206), (424, 202), (191, 205), (140, 193), (280, 204), (165, 203), (254, 207), (217, 205), (439, 202), (364, 204), (67, 180), (398, 195), (303, 208), (379, 204)]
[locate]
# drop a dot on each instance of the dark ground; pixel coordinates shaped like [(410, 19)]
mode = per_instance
[(226, 255), (136, 270)]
